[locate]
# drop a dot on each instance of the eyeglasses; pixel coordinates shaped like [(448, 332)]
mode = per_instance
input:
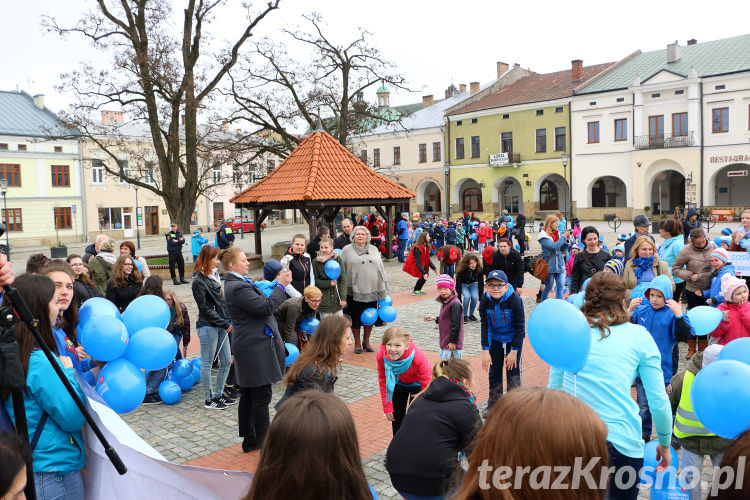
[(314, 301), (496, 286)]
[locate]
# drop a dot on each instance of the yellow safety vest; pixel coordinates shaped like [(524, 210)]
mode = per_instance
[(686, 422)]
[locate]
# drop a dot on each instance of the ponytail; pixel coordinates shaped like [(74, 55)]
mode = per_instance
[(603, 306)]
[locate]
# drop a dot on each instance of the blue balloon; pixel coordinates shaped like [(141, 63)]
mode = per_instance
[(668, 486), (170, 392), (138, 264), (292, 353), (518, 249), (182, 368), (146, 311), (309, 325), (333, 269), (560, 335), (197, 362), (585, 284), (387, 314), (509, 225), (96, 306), (738, 350), (639, 292), (369, 316), (337, 250), (196, 374), (151, 348), (387, 301), (474, 236), (648, 472), (185, 383), (704, 319), (104, 338), (721, 397), (122, 385)]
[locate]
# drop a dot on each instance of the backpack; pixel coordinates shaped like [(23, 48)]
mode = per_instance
[(541, 267)]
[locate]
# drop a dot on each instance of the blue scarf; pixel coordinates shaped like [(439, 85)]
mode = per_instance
[(393, 369), (640, 264)]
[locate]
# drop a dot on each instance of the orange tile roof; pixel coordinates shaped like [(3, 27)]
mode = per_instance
[(534, 88), (322, 169)]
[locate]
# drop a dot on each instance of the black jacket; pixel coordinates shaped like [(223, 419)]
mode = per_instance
[(308, 378), (84, 293), (313, 247), (581, 270), (422, 458), (175, 240), (342, 240), (301, 267), (467, 276), (212, 309), (224, 237), (511, 265), (122, 296), (89, 252)]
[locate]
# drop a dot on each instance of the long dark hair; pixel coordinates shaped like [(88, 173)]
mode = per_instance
[(154, 285), (14, 454), (37, 291), (311, 452), (70, 315), (604, 302), (464, 263), (118, 272), (84, 278), (206, 255), (323, 350)]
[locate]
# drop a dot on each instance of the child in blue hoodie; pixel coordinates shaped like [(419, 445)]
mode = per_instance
[(662, 317), (196, 242), (503, 330), (721, 264)]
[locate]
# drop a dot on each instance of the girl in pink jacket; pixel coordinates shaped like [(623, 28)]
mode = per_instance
[(736, 321)]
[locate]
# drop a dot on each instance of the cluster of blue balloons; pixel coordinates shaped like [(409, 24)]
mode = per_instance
[(664, 485), (560, 335), (385, 311), (135, 340), (184, 375)]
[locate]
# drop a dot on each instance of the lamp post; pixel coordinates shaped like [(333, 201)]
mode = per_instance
[(137, 225), (564, 158), (4, 191)]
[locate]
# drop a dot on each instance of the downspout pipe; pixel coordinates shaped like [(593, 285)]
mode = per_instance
[(700, 87)]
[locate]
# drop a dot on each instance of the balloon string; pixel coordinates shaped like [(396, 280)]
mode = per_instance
[(216, 354)]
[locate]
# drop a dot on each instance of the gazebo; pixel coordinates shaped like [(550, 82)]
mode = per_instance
[(319, 178)]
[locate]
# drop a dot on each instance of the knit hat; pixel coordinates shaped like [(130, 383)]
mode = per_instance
[(614, 265), (726, 231), (722, 254), (641, 220), (729, 284), (622, 237), (727, 240), (481, 224), (271, 269), (487, 254), (404, 214), (445, 281), (710, 354), (620, 248)]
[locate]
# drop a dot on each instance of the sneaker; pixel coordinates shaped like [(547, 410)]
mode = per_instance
[(421, 292), (232, 391), (214, 404), (227, 401), (152, 399), (473, 318), (415, 292)]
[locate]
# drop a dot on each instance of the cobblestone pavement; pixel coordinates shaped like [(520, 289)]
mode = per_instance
[(188, 433)]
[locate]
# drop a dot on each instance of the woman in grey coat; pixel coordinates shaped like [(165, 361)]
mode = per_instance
[(256, 343)]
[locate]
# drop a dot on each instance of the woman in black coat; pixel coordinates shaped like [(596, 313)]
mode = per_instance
[(508, 261), (125, 284), (299, 263), (588, 261), (85, 288), (256, 343)]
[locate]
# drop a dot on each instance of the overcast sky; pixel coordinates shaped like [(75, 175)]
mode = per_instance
[(433, 43)]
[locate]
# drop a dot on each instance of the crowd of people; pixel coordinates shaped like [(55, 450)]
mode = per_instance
[(634, 299)]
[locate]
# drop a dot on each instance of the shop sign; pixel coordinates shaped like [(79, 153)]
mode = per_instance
[(728, 158)]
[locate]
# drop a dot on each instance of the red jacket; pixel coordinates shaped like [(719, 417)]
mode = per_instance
[(410, 266), (484, 234), (419, 371), (738, 325)]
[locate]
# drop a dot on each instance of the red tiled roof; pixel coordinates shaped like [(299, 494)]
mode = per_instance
[(534, 88), (322, 169)]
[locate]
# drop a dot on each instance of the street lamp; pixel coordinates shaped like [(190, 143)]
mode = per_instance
[(4, 190), (564, 158), (137, 226)]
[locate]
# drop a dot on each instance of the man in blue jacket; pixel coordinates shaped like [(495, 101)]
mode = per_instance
[(402, 230), (503, 331), (224, 236)]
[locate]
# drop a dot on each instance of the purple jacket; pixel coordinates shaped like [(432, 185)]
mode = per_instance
[(451, 322)]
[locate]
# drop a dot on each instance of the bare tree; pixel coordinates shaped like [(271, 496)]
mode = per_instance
[(276, 93), (160, 81)]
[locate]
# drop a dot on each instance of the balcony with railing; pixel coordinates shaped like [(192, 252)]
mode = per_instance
[(664, 141)]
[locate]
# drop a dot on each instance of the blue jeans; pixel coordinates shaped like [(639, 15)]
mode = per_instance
[(498, 351), (643, 410), (568, 283), (470, 293), (212, 337), (450, 269), (448, 354), (559, 285), (401, 247), (53, 486), (153, 379), (618, 461)]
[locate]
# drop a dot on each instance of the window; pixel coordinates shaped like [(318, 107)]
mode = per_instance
[(506, 116), (22, 147), (422, 153), (621, 129), (14, 221), (679, 124), (720, 121), (3, 145), (720, 87), (124, 169), (655, 95), (60, 176), (506, 142), (376, 157), (620, 99), (679, 92), (63, 218), (148, 173), (58, 149), (593, 131), (592, 103), (363, 156), (539, 112), (541, 140), (115, 218), (559, 109), (436, 156), (237, 174), (475, 146), (271, 164), (459, 123), (397, 155), (218, 210), (460, 148), (12, 172), (216, 175), (474, 120), (656, 130), (97, 172), (560, 139)]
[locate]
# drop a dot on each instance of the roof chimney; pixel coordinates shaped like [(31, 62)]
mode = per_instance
[(673, 52), (39, 101), (576, 70), (473, 88), (427, 100), (110, 117), (461, 88), (692, 41), (502, 68)]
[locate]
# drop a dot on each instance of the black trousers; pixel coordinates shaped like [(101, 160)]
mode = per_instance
[(401, 396), (420, 283), (176, 258), (252, 412)]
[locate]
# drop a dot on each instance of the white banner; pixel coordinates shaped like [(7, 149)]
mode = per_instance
[(741, 262)]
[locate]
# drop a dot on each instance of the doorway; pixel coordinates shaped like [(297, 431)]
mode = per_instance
[(152, 220)]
